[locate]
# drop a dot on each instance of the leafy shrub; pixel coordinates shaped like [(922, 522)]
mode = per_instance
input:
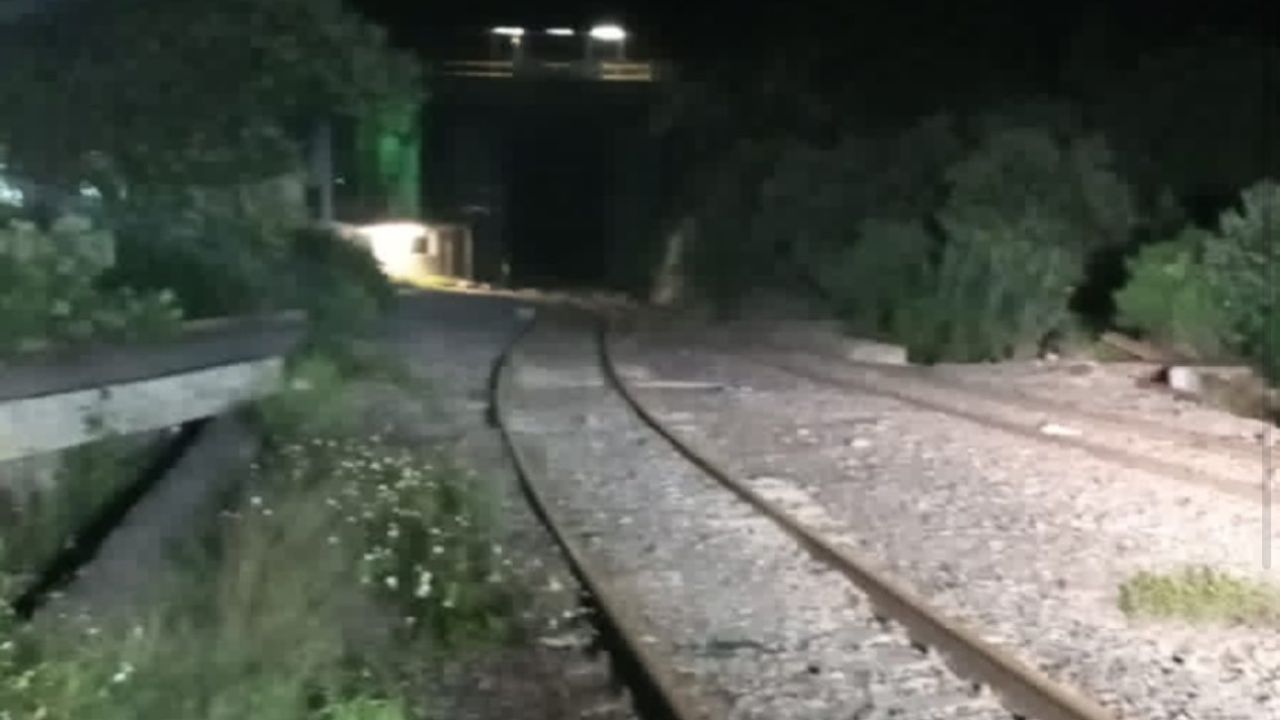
[(223, 264), (1212, 292), (1025, 211), (337, 281), (1169, 300), (216, 264), (725, 258), (872, 281), (49, 294), (1240, 265), (816, 200)]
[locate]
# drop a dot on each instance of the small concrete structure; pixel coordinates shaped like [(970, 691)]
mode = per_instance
[(418, 252)]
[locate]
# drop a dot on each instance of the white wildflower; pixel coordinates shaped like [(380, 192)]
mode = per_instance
[(123, 674), (424, 584)]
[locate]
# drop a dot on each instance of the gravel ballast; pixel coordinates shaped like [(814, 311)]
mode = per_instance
[(743, 613), (1027, 541)]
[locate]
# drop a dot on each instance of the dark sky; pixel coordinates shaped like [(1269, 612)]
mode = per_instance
[(904, 57), (692, 29)]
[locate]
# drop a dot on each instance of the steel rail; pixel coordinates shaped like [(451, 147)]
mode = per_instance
[(1024, 690)]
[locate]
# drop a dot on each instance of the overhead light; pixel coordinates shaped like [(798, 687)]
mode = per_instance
[(608, 33), (561, 32), (514, 32)]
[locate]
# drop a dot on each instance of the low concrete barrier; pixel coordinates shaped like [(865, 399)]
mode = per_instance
[(63, 402)]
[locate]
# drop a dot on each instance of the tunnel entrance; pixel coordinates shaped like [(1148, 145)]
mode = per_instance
[(558, 196), (560, 180)]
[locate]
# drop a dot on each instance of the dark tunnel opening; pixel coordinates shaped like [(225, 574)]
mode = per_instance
[(560, 181), (559, 192)]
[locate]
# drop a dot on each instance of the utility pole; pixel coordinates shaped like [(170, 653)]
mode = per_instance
[(322, 169)]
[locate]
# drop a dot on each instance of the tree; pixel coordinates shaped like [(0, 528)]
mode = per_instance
[(179, 92)]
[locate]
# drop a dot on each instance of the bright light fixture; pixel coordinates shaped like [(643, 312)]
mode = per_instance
[(392, 232), (514, 32), (561, 32), (608, 33)]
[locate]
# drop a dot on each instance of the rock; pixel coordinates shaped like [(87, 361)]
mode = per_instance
[(860, 443), (1056, 430), (870, 351), (1185, 380), (569, 641)]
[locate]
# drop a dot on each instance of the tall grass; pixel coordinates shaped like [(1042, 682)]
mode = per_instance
[(348, 562), (43, 519)]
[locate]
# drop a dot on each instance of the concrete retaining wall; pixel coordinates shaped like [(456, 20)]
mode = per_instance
[(64, 402), (56, 422)]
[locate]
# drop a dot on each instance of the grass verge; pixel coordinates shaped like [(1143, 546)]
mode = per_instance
[(349, 568), (1201, 595), (41, 517)]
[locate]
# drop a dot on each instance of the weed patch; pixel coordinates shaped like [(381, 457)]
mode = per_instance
[(349, 569), (42, 519), (1200, 594)]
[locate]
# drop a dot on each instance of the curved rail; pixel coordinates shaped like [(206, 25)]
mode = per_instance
[(678, 700), (1024, 689)]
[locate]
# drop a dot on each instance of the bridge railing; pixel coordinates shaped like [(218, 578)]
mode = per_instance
[(602, 70)]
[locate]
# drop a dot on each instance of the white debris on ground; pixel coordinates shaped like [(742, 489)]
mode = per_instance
[(1027, 540), (1123, 389)]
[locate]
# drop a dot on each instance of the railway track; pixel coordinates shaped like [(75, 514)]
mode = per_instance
[(891, 654), (1229, 466)]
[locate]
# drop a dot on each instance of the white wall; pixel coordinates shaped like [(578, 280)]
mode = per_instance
[(32, 426)]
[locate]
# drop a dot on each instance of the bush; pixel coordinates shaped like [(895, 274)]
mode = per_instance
[(337, 281), (1024, 213), (49, 293), (222, 264), (725, 258), (872, 281), (216, 264), (1168, 299), (1240, 266), (1213, 292), (816, 200)]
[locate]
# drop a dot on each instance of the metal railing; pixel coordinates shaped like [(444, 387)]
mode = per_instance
[(600, 70)]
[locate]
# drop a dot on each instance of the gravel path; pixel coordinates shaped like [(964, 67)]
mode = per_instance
[(744, 613), (1028, 541)]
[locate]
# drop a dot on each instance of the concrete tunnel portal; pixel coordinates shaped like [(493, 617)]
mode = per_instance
[(558, 177)]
